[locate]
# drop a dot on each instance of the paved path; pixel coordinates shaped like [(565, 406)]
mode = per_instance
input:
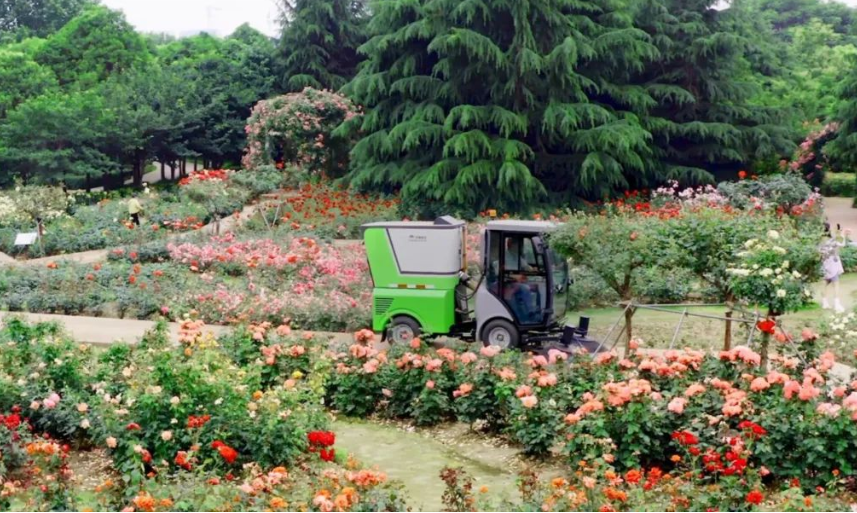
[(839, 211), (106, 331)]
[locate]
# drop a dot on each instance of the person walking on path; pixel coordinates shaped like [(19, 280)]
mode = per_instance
[(134, 209)]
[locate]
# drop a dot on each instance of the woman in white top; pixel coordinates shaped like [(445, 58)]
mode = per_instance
[(831, 266)]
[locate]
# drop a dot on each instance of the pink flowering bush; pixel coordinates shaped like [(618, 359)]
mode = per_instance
[(809, 159), (298, 282), (297, 130)]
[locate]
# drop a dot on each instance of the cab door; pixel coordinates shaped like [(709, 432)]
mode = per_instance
[(517, 275)]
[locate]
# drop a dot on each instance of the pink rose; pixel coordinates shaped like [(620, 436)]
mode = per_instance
[(529, 401), (677, 405)]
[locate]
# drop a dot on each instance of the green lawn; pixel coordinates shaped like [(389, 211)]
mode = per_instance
[(657, 328)]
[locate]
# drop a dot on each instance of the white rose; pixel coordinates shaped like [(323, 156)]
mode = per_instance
[(111, 442), (781, 293), (166, 436), (82, 407), (796, 275), (84, 423), (773, 234), (175, 400)]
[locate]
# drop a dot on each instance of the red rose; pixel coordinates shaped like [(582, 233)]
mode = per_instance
[(755, 497), (767, 326), (685, 438), (133, 426), (228, 453), (742, 174), (327, 454)]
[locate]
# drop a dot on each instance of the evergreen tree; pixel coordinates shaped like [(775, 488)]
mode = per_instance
[(319, 42), (94, 45), (843, 149), (703, 120), (39, 18), (494, 103)]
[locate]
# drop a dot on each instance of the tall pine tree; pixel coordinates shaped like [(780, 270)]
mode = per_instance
[(703, 120), (494, 103), (843, 149), (319, 42)]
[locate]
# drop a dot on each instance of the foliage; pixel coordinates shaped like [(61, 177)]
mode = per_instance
[(319, 42), (786, 193), (702, 121), (844, 147), (298, 129), (92, 46), (21, 78), (839, 185), (775, 272), (615, 246), (538, 126), (58, 135), (24, 18)]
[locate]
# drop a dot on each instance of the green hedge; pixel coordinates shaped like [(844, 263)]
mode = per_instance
[(839, 185)]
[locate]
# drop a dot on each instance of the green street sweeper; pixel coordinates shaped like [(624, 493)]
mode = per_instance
[(421, 284)]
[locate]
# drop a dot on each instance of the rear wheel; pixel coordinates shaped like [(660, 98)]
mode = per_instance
[(501, 333), (403, 329)]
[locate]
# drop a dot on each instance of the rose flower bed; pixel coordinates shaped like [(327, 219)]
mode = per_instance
[(225, 280), (237, 423), (187, 428), (327, 212)]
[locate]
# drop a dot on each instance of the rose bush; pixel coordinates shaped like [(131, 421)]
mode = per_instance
[(201, 416), (327, 212), (298, 129)]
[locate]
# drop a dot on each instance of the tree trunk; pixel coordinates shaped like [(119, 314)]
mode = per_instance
[(195, 164), (727, 338), (629, 316), (163, 172), (763, 350), (139, 165), (173, 170), (88, 182)]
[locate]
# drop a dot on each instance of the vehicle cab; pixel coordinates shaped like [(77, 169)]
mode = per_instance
[(524, 290)]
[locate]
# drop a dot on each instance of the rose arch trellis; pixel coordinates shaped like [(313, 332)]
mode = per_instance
[(297, 130)]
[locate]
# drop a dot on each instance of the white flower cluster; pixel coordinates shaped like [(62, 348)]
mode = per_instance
[(705, 195), (842, 327)]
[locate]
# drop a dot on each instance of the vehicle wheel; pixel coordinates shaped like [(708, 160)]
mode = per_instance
[(403, 329), (501, 333)]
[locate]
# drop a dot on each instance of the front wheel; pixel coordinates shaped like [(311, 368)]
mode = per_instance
[(403, 330), (501, 333)]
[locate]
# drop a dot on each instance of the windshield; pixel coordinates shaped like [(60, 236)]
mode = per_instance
[(559, 270)]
